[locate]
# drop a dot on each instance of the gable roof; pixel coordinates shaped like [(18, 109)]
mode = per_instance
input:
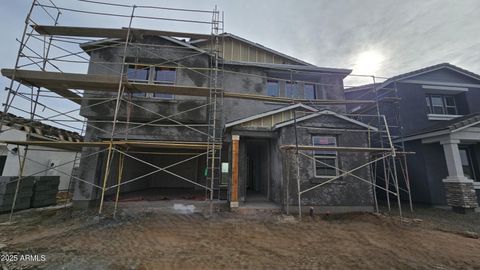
[(314, 113), (416, 73), (450, 126), (260, 46), (268, 113), (325, 112)]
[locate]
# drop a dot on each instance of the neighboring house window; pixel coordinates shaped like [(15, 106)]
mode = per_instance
[(309, 91), (290, 89), (326, 161), (273, 88), (441, 104), (151, 75)]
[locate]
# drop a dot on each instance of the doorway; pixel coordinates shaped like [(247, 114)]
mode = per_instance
[(468, 158), (258, 170)]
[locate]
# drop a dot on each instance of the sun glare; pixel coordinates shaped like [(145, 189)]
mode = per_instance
[(368, 63)]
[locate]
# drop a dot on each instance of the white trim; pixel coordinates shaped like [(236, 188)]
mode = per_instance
[(442, 117), (253, 117), (461, 72), (423, 136), (351, 120), (443, 89), (434, 134), (467, 126), (326, 112)]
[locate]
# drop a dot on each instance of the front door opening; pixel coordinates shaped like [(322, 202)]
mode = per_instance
[(257, 170), (468, 159)]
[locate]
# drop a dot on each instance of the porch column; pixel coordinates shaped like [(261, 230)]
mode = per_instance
[(454, 162), (459, 189), (235, 147)]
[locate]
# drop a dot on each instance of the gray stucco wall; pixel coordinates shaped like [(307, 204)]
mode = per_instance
[(436, 168), (346, 191), (106, 61)]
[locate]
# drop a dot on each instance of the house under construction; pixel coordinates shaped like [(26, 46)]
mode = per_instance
[(204, 116)]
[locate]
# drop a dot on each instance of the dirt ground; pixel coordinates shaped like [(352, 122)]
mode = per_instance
[(146, 239)]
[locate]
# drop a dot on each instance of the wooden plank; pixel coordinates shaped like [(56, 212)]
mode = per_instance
[(163, 145), (77, 146), (64, 145), (60, 83), (170, 89), (59, 80), (289, 100), (120, 33), (337, 148), (235, 165)]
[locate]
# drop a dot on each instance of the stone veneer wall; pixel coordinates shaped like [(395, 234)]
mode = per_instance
[(461, 195)]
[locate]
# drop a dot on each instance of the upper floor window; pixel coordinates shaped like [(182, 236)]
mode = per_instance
[(309, 91), (326, 162), (290, 89), (151, 74), (273, 88), (164, 75), (138, 73), (441, 104)]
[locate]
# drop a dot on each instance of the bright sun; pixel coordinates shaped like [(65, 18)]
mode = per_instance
[(368, 62)]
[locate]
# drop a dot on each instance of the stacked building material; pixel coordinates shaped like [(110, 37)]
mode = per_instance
[(45, 191), (8, 186)]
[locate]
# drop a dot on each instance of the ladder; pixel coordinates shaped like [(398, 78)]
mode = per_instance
[(215, 110)]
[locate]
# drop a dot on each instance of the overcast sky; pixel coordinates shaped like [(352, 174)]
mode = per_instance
[(374, 37)]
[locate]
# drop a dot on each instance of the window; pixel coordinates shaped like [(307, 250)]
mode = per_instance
[(151, 74), (326, 161), (273, 89), (164, 76), (138, 73), (309, 91), (290, 89), (441, 104)]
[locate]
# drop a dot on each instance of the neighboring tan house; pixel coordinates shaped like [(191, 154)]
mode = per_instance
[(39, 158), (434, 112)]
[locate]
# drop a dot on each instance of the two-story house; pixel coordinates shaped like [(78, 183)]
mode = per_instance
[(435, 113), (268, 102)]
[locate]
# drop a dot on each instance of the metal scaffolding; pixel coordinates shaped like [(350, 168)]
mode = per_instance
[(46, 74), (38, 78)]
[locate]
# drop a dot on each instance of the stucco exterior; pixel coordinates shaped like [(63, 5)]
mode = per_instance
[(248, 78)]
